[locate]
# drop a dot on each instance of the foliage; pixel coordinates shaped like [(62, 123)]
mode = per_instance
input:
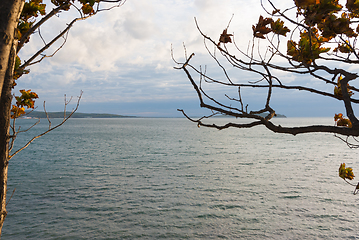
[(32, 9), (225, 37), (346, 172), (342, 121), (309, 47), (313, 38), (27, 99), (267, 25), (18, 72)]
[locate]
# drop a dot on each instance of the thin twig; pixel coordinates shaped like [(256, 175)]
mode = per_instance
[(10, 197), (50, 129)]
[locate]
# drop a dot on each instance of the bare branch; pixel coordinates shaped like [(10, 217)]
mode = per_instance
[(65, 31), (304, 57), (65, 5), (47, 116), (261, 121), (50, 129), (13, 191)]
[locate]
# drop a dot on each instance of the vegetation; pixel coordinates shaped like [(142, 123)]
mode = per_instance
[(312, 38), (19, 20)]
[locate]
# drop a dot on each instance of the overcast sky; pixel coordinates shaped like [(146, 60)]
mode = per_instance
[(121, 59)]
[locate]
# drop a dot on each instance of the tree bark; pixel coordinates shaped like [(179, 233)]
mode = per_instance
[(10, 11)]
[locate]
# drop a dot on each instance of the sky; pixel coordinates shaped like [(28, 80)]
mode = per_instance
[(121, 60)]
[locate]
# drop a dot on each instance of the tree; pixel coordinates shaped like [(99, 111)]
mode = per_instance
[(313, 38), (19, 19)]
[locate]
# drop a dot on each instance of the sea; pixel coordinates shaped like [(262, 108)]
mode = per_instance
[(166, 178)]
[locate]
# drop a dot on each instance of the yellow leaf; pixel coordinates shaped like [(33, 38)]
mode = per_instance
[(346, 173)]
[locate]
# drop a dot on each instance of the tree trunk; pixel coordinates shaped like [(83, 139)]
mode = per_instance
[(10, 11)]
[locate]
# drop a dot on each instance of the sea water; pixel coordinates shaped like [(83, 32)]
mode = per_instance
[(168, 179)]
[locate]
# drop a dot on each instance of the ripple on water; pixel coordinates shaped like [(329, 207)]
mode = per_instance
[(167, 179)]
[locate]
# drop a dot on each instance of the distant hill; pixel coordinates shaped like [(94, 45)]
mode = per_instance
[(37, 114), (277, 115)]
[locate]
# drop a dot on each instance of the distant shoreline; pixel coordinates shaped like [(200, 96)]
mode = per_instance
[(276, 115), (37, 114)]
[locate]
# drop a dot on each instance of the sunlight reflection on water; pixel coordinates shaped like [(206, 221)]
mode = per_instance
[(166, 178)]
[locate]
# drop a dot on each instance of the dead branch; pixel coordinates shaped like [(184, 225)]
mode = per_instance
[(50, 128), (252, 115), (265, 67), (60, 35)]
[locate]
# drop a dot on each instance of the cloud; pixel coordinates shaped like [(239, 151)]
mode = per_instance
[(123, 56), (137, 28)]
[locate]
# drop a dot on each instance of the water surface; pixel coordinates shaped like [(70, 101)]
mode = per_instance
[(169, 179)]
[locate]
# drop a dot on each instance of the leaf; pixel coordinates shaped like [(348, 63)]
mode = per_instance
[(61, 2), (32, 8), (261, 28), (279, 28), (17, 71), (338, 116), (341, 121), (26, 99), (352, 6), (275, 11), (316, 13), (344, 123), (309, 47), (343, 48), (306, 3), (91, 2), (17, 111), (346, 173), (331, 26), (225, 37), (87, 9), (291, 48)]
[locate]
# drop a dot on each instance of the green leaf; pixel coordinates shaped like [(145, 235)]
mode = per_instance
[(279, 28)]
